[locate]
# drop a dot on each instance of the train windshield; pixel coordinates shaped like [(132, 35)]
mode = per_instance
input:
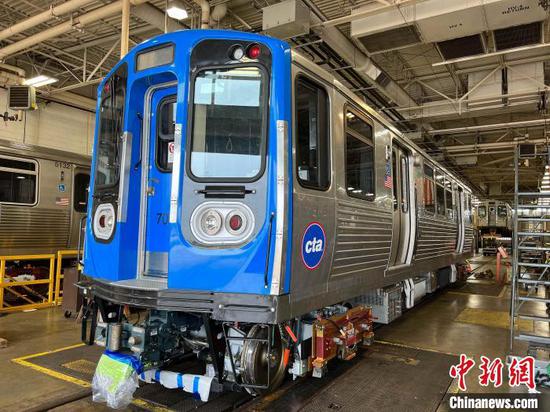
[(110, 128), (229, 118)]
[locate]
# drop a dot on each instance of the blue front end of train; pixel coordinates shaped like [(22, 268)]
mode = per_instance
[(184, 190), (189, 204)]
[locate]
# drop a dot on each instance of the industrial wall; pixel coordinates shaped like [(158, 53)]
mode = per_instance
[(52, 125)]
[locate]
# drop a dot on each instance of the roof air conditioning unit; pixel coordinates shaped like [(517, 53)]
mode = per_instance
[(22, 98)]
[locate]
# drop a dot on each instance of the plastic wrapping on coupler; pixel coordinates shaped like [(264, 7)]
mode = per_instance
[(115, 379)]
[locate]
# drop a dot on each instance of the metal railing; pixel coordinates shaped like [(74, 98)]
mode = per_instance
[(61, 254), (31, 296)]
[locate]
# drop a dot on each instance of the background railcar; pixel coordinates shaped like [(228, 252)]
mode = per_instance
[(43, 196), (250, 202)]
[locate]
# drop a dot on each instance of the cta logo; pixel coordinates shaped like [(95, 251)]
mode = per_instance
[(313, 245)]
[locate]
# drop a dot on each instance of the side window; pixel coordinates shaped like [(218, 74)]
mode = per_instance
[(18, 181), (429, 189), (80, 197), (166, 123), (359, 157), (440, 193), (312, 135), (468, 208)]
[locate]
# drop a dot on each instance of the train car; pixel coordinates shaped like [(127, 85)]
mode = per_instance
[(43, 197), (493, 221), (249, 202)]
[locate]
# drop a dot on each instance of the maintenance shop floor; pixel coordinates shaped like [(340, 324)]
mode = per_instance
[(45, 367)]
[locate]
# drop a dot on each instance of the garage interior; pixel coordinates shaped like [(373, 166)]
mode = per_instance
[(465, 82)]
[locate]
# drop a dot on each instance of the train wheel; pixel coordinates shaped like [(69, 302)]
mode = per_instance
[(259, 365)]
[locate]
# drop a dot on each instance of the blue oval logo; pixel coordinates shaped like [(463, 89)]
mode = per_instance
[(313, 245)]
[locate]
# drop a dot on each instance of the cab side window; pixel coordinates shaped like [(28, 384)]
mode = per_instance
[(429, 189), (312, 135)]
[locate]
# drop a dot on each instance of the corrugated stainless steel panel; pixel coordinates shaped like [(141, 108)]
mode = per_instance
[(468, 239), (436, 238), (363, 238), (33, 227)]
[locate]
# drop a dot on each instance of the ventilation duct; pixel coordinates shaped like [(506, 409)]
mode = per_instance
[(442, 20), (518, 36), (461, 47)]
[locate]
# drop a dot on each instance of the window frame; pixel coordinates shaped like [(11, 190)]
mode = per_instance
[(163, 102), (114, 185), (328, 149), (266, 92), (360, 114), (36, 173)]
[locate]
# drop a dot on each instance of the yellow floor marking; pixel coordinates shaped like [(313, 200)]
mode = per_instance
[(35, 355), (402, 345), (52, 373), (491, 318), (67, 378)]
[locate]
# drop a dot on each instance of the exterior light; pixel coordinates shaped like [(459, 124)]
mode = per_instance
[(39, 81), (176, 10)]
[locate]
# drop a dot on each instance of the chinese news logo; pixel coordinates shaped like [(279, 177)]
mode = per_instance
[(520, 371)]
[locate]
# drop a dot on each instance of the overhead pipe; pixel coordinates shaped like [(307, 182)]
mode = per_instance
[(156, 18), (205, 13), (125, 28), (495, 145), (52, 12), (17, 70), (217, 14), (360, 62), (84, 19), (489, 127)]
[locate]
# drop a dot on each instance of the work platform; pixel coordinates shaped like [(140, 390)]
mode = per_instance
[(406, 368)]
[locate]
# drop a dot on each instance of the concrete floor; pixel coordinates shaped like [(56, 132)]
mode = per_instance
[(432, 326)]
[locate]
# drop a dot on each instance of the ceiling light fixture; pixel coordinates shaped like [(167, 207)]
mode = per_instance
[(176, 10), (39, 81)]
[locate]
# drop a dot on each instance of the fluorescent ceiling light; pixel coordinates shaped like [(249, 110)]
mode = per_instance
[(176, 10), (39, 81)]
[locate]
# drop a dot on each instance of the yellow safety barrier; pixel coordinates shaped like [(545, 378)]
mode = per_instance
[(58, 275), (54, 296), (9, 285)]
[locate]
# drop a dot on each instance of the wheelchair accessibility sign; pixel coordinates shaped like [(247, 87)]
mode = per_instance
[(313, 245)]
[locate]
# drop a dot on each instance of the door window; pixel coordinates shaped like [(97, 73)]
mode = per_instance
[(18, 181), (166, 123), (429, 189), (359, 157), (312, 135), (80, 197)]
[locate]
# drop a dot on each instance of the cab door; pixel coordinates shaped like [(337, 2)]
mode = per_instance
[(158, 178), (402, 207)]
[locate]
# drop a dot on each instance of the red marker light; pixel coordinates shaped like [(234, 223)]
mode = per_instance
[(235, 222), (254, 51)]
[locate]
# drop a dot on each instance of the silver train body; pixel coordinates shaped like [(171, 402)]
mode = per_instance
[(43, 195), (372, 244)]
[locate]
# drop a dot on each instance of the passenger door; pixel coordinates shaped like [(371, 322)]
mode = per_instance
[(159, 151), (402, 206)]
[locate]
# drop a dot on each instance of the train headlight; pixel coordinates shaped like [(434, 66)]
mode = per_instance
[(211, 222), (104, 221), (222, 223)]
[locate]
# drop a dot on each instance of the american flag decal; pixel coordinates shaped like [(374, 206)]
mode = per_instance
[(62, 201), (388, 180)]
